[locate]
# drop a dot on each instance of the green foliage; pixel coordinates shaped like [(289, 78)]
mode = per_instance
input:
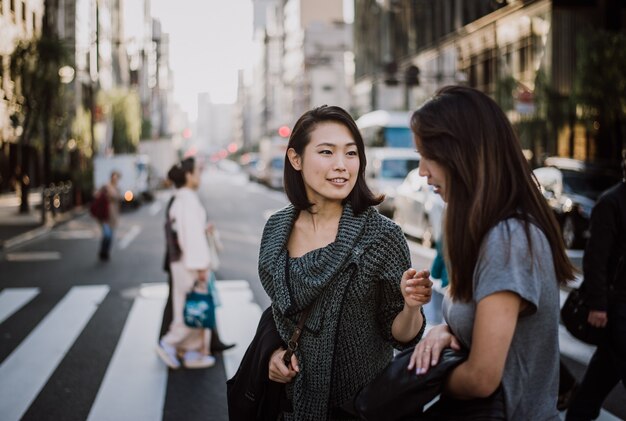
[(504, 92), (601, 80), (81, 130), (125, 108), (600, 88), (35, 65), (146, 129)]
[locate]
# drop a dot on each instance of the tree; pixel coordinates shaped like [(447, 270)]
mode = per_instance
[(34, 66), (600, 88), (125, 110)]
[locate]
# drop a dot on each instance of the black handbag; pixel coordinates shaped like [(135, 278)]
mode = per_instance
[(250, 394), (397, 393), (574, 314)]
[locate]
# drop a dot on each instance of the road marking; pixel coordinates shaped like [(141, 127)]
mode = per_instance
[(12, 299), (84, 234), (240, 237), (237, 320), (575, 254), (33, 256), (156, 208), (421, 251), (129, 237), (135, 382), (26, 370)]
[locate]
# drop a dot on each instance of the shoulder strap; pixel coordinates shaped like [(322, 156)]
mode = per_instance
[(169, 205), (292, 345)]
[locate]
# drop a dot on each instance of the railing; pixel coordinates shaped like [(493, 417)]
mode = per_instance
[(57, 198)]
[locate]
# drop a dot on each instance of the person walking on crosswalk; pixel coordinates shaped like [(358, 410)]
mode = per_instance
[(330, 251), (189, 221), (109, 195)]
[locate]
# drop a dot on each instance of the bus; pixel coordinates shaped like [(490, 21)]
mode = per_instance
[(386, 129)]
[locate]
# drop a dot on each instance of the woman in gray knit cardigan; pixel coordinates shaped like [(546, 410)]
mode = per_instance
[(332, 252)]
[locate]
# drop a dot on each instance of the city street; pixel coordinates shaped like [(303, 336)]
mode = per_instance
[(78, 335)]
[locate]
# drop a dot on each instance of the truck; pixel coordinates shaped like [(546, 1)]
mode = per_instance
[(134, 170), (271, 165), (162, 155)]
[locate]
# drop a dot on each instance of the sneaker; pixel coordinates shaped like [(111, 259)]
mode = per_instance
[(168, 354), (194, 359)]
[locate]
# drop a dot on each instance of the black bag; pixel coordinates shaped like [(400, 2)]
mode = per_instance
[(574, 314), (250, 394), (397, 393), (173, 252)]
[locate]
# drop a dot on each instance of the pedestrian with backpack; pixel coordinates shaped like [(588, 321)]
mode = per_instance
[(106, 209)]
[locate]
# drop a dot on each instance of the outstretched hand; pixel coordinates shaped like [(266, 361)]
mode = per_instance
[(416, 287)]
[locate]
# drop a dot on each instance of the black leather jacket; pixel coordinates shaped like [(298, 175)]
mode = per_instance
[(604, 262)]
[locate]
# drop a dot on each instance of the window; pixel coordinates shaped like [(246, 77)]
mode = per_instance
[(24, 12), (523, 58)]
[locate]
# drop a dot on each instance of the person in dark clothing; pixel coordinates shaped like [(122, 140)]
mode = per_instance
[(604, 267)]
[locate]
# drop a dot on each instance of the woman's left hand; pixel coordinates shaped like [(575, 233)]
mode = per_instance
[(416, 287)]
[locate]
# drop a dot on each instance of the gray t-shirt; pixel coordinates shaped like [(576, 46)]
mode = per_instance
[(530, 378)]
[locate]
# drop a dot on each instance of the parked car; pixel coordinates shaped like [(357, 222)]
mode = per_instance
[(251, 163), (418, 209), (386, 168), (571, 188)]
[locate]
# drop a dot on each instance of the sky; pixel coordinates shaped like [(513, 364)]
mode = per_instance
[(209, 41)]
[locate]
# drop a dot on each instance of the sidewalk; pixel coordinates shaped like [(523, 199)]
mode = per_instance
[(16, 228)]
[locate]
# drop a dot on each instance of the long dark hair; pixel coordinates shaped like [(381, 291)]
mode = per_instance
[(178, 173), (361, 197), (487, 179)]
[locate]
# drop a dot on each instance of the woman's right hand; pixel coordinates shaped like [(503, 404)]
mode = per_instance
[(278, 371), (428, 350), (202, 275)]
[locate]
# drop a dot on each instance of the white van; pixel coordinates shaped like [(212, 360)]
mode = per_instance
[(385, 171)]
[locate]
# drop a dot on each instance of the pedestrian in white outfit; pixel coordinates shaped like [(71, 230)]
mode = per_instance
[(189, 221)]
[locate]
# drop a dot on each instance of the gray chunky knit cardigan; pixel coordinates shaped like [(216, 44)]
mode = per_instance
[(353, 284)]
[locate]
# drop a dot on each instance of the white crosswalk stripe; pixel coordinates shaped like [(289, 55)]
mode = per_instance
[(12, 299), (237, 319), (135, 382), (24, 372)]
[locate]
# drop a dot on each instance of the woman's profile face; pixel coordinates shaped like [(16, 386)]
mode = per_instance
[(434, 172), (193, 178), (329, 163)]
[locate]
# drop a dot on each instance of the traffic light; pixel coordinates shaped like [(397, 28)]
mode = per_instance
[(284, 131), (412, 76)]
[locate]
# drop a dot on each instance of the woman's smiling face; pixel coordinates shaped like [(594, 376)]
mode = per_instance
[(329, 164)]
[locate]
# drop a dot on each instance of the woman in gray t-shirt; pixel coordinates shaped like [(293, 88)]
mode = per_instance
[(505, 260)]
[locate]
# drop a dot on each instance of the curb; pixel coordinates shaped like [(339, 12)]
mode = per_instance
[(28, 236)]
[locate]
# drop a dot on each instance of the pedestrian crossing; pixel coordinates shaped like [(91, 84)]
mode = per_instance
[(135, 382), (25, 372)]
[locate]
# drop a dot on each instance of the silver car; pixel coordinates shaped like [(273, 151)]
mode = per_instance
[(418, 209)]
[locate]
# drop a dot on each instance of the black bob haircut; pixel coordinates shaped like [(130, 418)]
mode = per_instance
[(361, 197)]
